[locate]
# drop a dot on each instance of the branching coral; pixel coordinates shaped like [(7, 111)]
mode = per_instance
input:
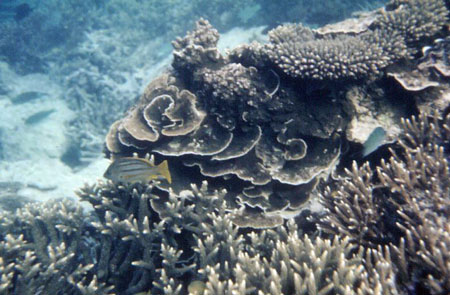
[(47, 248), (160, 234), (403, 204), (283, 261), (168, 243), (171, 243), (149, 238), (252, 125), (414, 19)]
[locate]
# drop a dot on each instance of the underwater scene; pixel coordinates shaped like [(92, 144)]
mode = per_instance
[(224, 147)]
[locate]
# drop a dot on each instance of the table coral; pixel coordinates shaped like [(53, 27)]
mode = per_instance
[(392, 34)]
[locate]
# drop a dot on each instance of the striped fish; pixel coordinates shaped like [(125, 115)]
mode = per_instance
[(131, 170)]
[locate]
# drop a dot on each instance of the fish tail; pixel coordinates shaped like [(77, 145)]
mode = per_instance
[(163, 170)]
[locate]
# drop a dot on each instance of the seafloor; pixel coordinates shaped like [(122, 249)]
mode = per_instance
[(308, 146)]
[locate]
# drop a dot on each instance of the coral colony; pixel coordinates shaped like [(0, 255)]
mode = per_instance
[(255, 140)]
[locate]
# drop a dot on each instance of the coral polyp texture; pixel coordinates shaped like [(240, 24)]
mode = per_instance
[(391, 34), (302, 53)]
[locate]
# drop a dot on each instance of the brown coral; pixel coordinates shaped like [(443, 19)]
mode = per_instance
[(415, 20), (239, 121), (197, 48)]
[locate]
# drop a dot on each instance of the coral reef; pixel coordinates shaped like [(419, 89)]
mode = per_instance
[(402, 204), (415, 20), (86, 45), (249, 135), (299, 53), (425, 78), (245, 118), (142, 239), (235, 124)]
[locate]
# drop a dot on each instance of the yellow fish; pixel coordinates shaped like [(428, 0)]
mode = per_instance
[(131, 170)]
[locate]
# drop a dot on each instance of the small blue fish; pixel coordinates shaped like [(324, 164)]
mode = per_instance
[(38, 117), (374, 141), (131, 170)]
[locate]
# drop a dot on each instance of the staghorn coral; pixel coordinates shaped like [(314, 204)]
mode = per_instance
[(283, 261), (185, 239), (140, 243), (148, 238), (403, 204), (47, 248), (133, 242), (268, 141)]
